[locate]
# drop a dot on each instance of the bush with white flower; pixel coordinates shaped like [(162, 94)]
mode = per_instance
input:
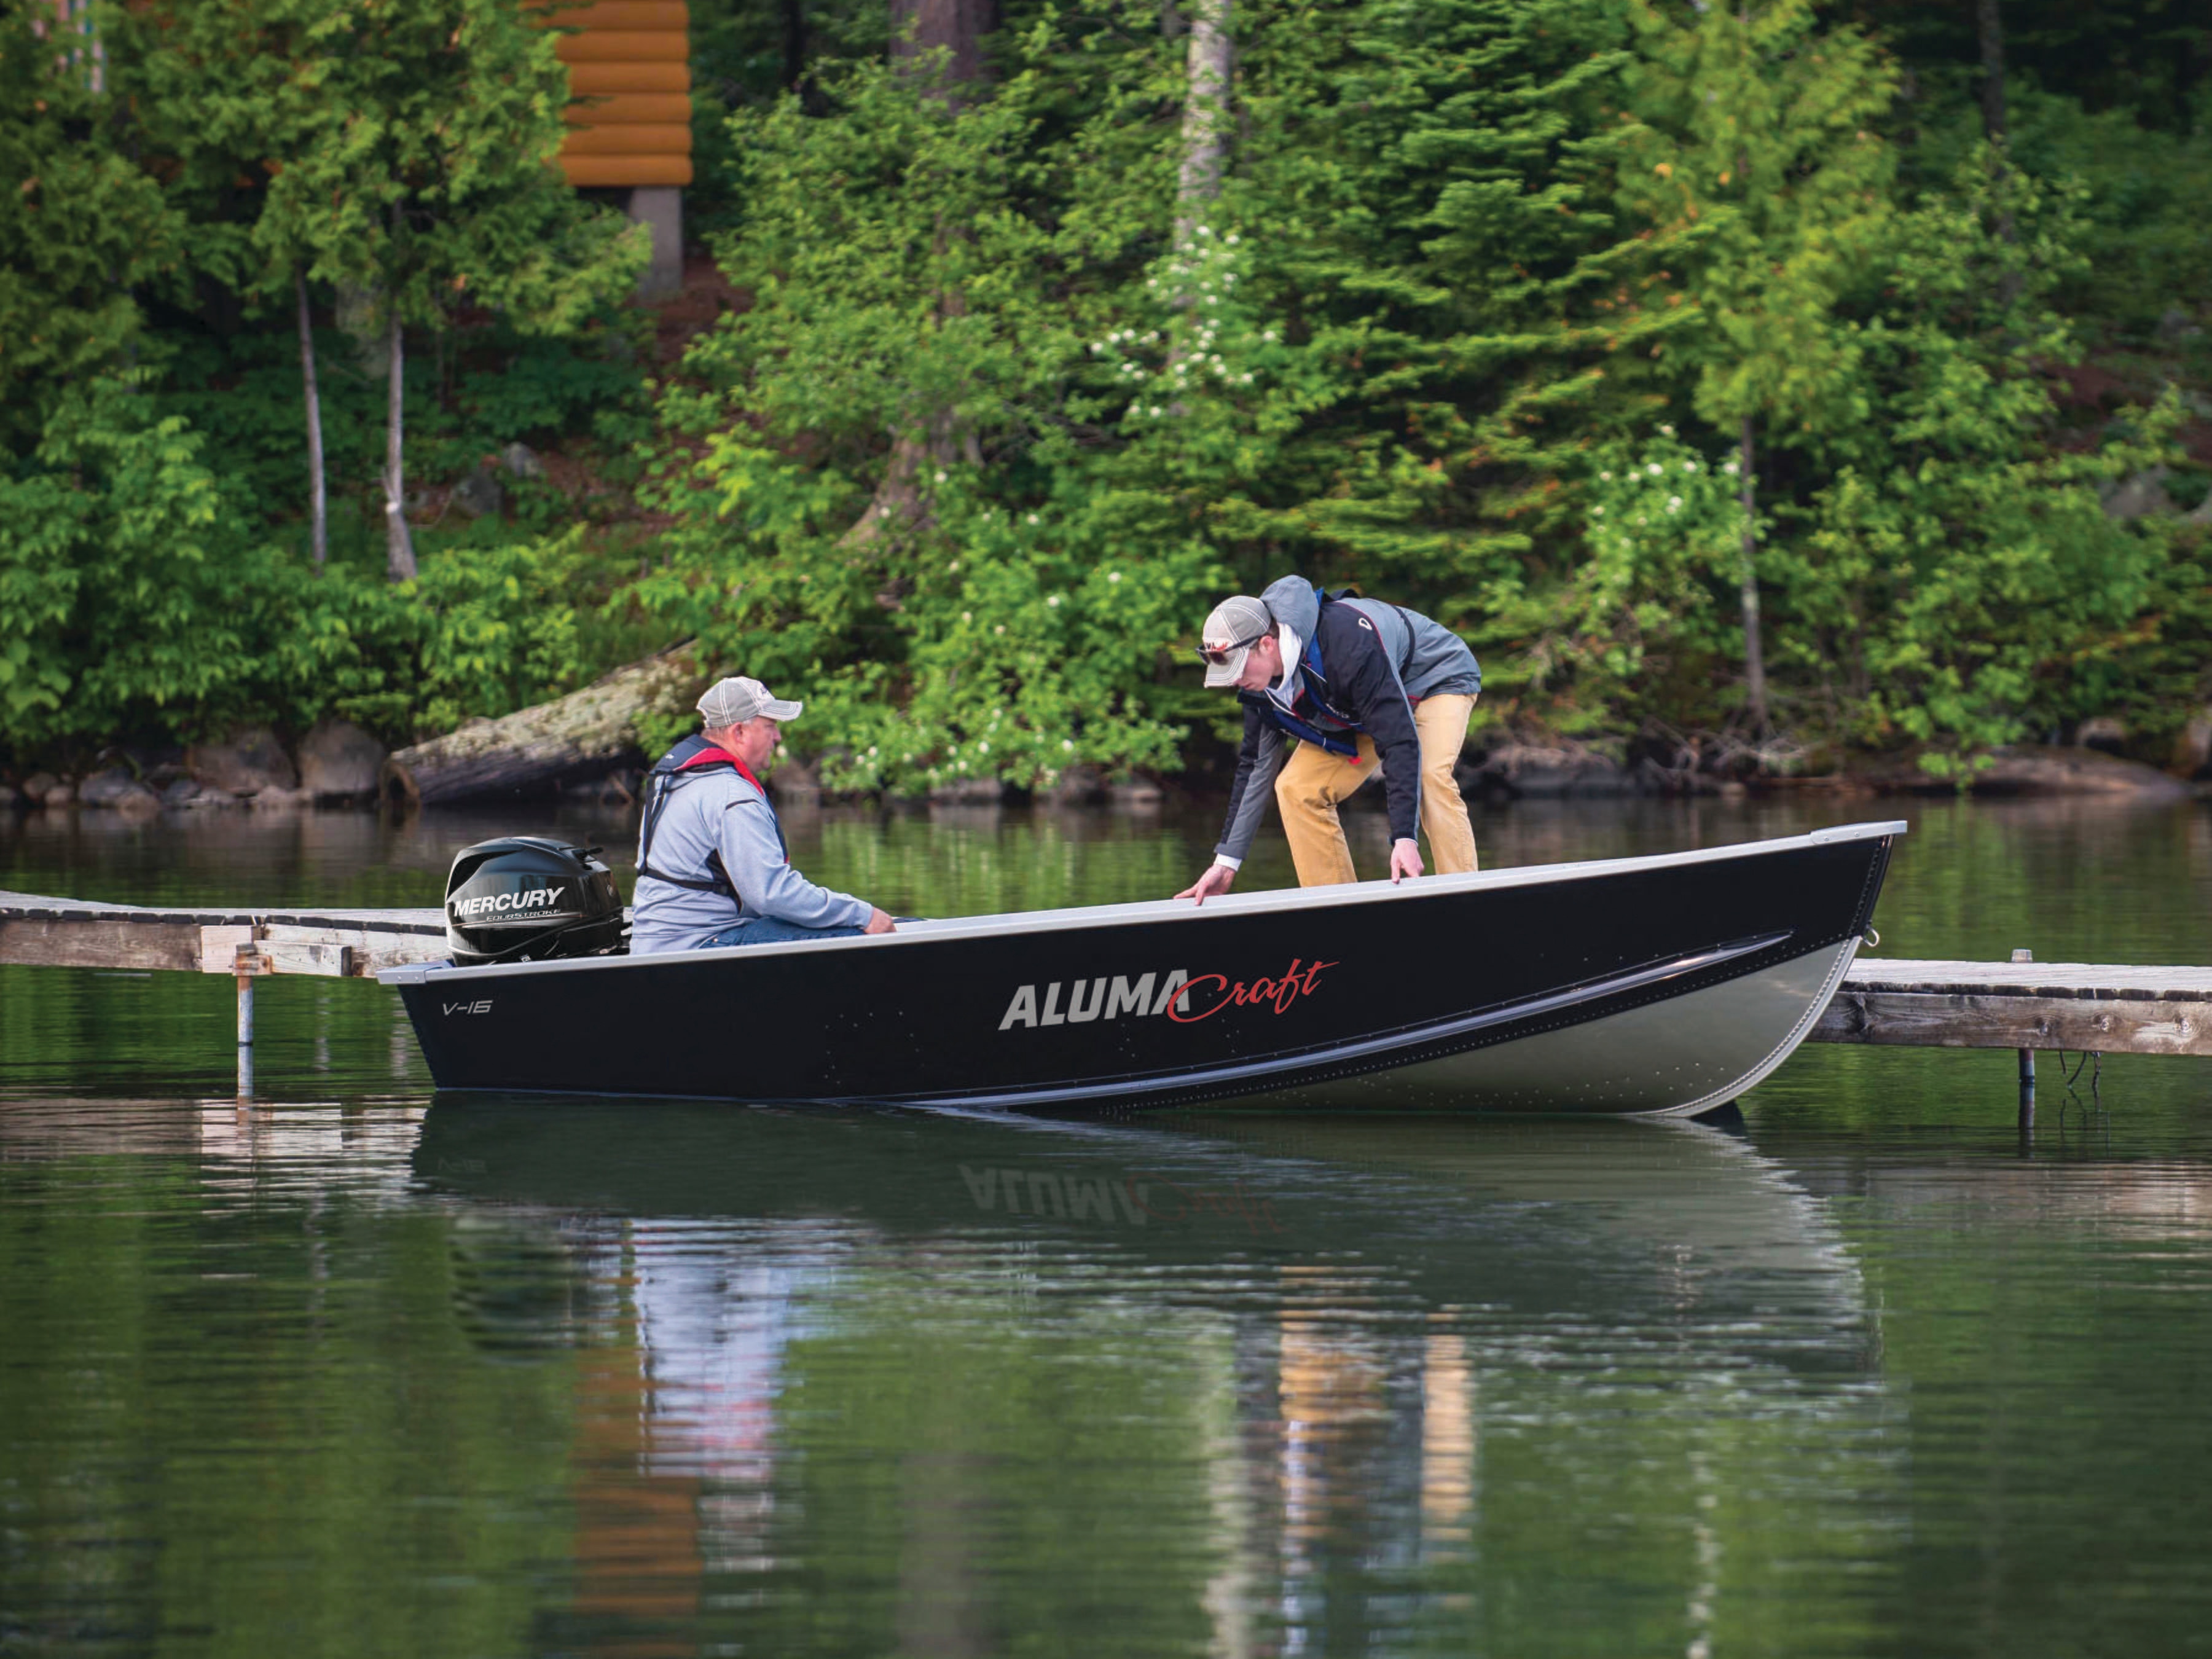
[(1654, 602)]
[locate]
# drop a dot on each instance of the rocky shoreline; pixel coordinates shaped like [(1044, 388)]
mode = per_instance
[(585, 746), (338, 764)]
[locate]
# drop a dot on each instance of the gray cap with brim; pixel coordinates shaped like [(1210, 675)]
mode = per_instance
[(1240, 618), (733, 702)]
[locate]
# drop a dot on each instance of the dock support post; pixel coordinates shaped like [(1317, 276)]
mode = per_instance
[(2026, 1069), (246, 966)]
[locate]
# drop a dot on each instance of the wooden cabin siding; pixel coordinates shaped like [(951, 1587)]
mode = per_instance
[(629, 72)]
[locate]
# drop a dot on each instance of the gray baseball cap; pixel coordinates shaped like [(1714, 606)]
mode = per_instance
[(737, 700), (1233, 625)]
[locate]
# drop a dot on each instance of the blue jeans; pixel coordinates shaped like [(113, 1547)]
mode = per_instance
[(766, 930)]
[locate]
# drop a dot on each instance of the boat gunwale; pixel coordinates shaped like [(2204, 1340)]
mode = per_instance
[(1004, 924)]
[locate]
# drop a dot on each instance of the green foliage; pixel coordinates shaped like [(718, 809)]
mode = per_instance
[(1638, 627), (131, 603), (2141, 198), (423, 168), (1003, 415), (875, 323), (1759, 164), (108, 600), (1960, 577), (482, 632), (81, 225), (241, 393), (989, 440)]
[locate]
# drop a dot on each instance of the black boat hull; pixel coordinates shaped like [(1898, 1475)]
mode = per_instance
[(1636, 986)]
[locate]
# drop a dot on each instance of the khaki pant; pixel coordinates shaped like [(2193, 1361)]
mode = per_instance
[(1314, 781)]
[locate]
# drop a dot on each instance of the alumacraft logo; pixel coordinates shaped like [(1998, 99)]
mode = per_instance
[(1183, 997), (537, 898)]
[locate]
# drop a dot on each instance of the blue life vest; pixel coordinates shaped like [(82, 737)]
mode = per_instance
[(695, 757), (1316, 683)]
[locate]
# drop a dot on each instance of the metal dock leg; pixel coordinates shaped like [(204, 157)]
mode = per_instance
[(2026, 1069), (248, 965)]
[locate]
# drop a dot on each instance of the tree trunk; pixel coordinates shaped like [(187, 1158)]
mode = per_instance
[(901, 501), (1990, 27), (955, 26), (1754, 655), (533, 751), (1205, 116), (1206, 67), (795, 44), (399, 545), (318, 498)]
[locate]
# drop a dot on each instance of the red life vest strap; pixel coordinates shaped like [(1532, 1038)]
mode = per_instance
[(711, 755)]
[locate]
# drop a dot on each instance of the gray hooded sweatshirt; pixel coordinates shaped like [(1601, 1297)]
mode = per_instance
[(721, 812), (1381, 659)]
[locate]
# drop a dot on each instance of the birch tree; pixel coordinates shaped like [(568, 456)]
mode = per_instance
[(1204, 116), (426, 174), (230, 93)]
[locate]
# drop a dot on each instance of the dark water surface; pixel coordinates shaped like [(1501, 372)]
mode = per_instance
[(353, 1370)]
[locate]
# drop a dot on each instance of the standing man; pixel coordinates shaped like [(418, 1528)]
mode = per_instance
[(1352, 679), (712, 868)]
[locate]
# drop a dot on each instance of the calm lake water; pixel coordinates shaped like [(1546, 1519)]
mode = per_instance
[(353, 1370)]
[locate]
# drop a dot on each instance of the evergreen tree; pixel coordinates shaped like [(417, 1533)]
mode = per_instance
[(1960, 583), (1370, 358), (82, 226), (1763, 170)]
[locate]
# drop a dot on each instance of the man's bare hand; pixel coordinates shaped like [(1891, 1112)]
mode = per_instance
[(880, 922), (1218, 879), (1405, 860)]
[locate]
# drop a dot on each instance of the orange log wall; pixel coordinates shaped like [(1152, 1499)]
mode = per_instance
[(630, 70)]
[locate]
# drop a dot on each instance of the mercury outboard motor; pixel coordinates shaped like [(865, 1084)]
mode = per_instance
[(525, 898)]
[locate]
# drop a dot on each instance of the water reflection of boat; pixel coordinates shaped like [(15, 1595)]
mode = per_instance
[(1630, 986), (1276, 1372), (1582, 1214)]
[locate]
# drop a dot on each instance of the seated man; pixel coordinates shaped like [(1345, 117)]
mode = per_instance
[(1351, 679), (711, 863)]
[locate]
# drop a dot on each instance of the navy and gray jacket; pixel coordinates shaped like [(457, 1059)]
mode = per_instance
[(1361, 665)]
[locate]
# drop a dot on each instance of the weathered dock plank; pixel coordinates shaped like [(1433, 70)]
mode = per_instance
[(100, 942), (39, 931), (2092, 1007)]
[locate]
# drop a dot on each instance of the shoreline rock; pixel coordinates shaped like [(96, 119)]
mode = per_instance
[(338, 761), (250, 761), (109, 787), (2024, 771), (1532, 771)]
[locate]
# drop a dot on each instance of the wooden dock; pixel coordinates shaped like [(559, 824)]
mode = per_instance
[(60, 933), (2085, 1007)]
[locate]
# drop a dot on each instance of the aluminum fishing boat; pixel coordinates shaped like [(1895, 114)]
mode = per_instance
[(1665, 985)]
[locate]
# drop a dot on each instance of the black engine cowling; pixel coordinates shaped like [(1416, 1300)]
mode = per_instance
[(525, 898)]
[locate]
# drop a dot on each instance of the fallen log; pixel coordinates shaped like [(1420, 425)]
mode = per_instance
[(536, 750)]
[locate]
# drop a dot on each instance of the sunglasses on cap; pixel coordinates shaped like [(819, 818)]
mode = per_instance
[(1214, 655)]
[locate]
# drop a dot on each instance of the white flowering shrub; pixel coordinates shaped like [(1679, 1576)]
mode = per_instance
[(1649, 616)]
